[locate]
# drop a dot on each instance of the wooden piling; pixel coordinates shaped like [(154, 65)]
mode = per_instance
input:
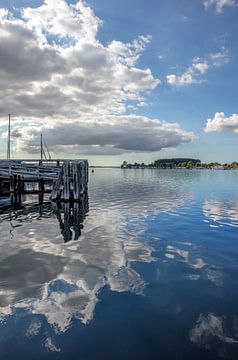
[(68, 181), (55, 194)]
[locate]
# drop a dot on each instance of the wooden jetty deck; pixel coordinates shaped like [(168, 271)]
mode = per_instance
[(66, 180)]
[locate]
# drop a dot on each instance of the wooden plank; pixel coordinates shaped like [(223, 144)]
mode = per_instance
[(55, 194)]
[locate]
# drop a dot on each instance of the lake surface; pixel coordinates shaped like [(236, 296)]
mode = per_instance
[(146, 268)]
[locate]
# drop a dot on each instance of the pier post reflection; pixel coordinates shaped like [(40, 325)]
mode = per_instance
[(74, 214), (70, 216)]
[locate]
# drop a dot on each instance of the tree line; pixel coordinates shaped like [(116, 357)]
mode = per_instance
[(185, 163)]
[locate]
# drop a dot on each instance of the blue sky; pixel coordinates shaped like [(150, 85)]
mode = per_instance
[(189, 47)]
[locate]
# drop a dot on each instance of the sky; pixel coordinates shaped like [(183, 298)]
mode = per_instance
[(120, 80)]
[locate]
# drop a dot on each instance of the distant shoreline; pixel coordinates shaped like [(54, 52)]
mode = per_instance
[(159, 168)]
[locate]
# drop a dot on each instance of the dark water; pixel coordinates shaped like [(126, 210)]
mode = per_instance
[(149, 272)]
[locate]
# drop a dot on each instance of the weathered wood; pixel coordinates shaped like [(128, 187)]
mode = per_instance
[(68, 181), (76, 181), (11, 184), (41, 185), (55, 195)]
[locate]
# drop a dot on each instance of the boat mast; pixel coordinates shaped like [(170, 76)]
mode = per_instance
[(41, 147), (9, 138)]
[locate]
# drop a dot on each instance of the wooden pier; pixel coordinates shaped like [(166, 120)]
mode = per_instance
[(66, 180)]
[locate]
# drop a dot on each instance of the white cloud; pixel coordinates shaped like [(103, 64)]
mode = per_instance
[(185, 79), (3, 13), (108, 135), (199, 67), (55, 67), (219, 4), (56, 17), (220, 58), (129, 53), (55, 71), (221, 122)]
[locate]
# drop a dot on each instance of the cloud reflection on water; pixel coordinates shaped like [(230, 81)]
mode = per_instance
[(194, 261), (213, 332), (62, 281), (221, 212)]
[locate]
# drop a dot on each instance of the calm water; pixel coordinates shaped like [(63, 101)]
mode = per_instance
[(148, 271)]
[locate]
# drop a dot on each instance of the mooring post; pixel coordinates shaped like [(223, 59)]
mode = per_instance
[(66, 180), (76, 181), (55, 194), (11, 189), (11, 185), (41, 185), (80, 176), (22, 186), (18, 188), (87, 174), (83, 166), (41, 190), (14, 180), (18, 184), (41, 198), (74, 178)]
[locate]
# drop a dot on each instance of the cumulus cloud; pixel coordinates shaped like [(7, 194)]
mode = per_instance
[(51, 63), (110, 135), (221, 122), (56, 17), (199, 66), (219, 4), (54, 71)]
